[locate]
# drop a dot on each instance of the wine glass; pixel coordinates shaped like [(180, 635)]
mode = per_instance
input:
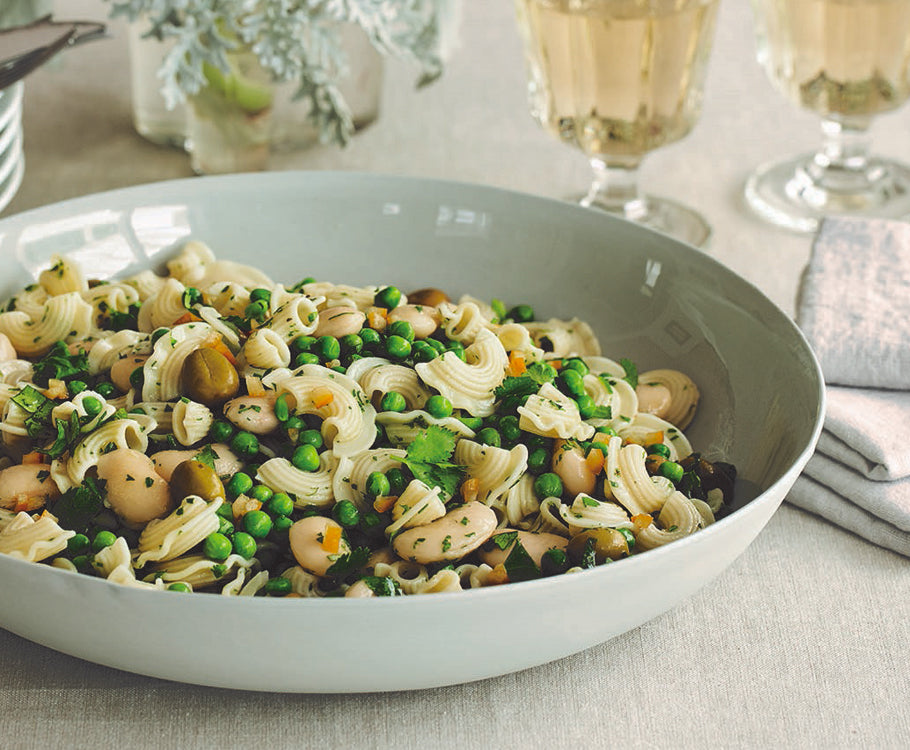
[(618, 79), (846, 60)]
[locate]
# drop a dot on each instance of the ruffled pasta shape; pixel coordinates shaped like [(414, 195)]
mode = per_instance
[(350, 478), (106, 351), (521, 501), (108, 298), (161, 411), (267, 349), (169, 537), (130, 433), (629, 481), (644, 427), (462, 322), (62, 277), (115, 560), (304, 487), (614, 393), (683, 395), (588, 513), (33, 539), (211, 316), (15, 371), (190, 263), (418, 505), (551, 413), (678, 518), (163, 308), (549, 518), (147, 283), (565, 338), (161, 371), (303, 583), (474, 576), (65, 317), (514, 337), (227, 298), (341, 295), (497, 470), (385, 377), (190, 421), (198, 571), (415, 579), (402, 427), (349, 420), (604, 366), (296, 317), (469, 384)]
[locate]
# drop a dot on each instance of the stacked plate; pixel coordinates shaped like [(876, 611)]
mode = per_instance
[(12, 162)]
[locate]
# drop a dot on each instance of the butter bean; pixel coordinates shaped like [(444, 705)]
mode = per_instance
[(569, 464), (339, 321), (254, 414), (305, 539), (653, 398), (359, 590), (123, 368), (534, 543), (226, 462), (26, 487), (458, 532), (135, 491), (421, 318)]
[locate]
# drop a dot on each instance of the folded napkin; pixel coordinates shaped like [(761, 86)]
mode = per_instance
[(854, 309)]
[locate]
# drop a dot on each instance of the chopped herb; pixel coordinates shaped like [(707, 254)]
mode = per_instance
[(207, 456), (382, 586), (631, 376), (447, 543), (149, 481), (505, 539), (588, 555), (519, 564), (79, 505), (349, 562), (428, 459), (59, 364)]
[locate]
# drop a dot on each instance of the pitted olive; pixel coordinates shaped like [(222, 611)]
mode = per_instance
[(431, 297), (607, 543), (193, 477), (208, 377)]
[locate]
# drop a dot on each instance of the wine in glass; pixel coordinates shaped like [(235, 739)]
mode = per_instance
[(618, 79), (847, 61)]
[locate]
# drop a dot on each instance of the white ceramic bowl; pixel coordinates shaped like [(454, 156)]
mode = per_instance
[(648, 297)]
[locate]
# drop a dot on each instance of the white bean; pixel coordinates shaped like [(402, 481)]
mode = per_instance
[(254, 414), (135, 491), (360, 589), (653, 398), (451, 537), (420, 318), (305, 538), (339, 321), (26, 487), (226, 462), (534, 543), (570, 465), (123, 368)]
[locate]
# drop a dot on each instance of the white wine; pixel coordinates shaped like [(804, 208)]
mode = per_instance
[(837, 57), (617, 78)]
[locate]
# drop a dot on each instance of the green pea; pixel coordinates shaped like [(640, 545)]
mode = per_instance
[(388, 297), (75, 387), (180, 586), (294, 423), (489, 436), (393, 401), (257, 524), (282, 524), (351, 343), (575, 364), (509, 429), (261, 493), (423, 352), (346, 513), (587, 407), (302, 344), (521, 313), (83, 562), (378, 484), (221, 431), (499, 308), (538, 460), (472, 423), (597, 445), (548, 485), (458, 350), (244, 545), (553, 562), (328, 347), (658, 449), (78, 543), (277, 586), (571, 383), (225, 525), (402, 328), (306, 358), (260, 294), (672, 471), (225, 511), (397, 482), (436, 344), (245, 444), (370, 521), (370, 338), (92, 406), (217, 547), (397, 347), (311, 437), (282, 410), (438, 406), (239, 484), (280, 504), (543, 371), (305, 458), (102, 540), (257, 311)]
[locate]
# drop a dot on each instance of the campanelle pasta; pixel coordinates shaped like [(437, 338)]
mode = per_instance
[(323, 439)]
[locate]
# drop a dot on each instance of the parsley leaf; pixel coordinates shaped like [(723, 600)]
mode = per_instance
[(428, 459), (519, 564), (349, 562), (68, 433), (79, 505), (207, 456), (382, 586), (59, 364), (504, 540), (631, 376)]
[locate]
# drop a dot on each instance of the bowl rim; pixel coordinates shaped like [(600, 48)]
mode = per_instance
[(130, 196)]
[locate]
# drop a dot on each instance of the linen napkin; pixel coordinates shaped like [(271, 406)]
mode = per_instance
[(854, 308)]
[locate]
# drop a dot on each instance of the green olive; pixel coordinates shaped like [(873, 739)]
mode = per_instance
[(608, 543), (208, 377), (193, 477)]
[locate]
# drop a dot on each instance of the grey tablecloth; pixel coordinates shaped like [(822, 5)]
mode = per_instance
[(803, 642)]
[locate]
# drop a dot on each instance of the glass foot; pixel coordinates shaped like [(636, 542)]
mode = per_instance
[(797, 194), (663, 215)]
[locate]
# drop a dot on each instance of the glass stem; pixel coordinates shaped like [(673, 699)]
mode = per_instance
[(615, 188), (843, 162)]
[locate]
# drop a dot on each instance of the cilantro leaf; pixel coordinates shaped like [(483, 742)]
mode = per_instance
[(68, 433), (382, 586), (349, 562), (59, 364), (79, 505), (207, 456), (504, 540), (30, 399), (519, 564), (631, 376), (434, 445)]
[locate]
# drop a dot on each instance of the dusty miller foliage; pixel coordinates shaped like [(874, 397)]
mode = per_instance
[(297, 40)]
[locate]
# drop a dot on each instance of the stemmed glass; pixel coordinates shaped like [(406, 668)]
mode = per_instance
[(618, 79), (846, 60)]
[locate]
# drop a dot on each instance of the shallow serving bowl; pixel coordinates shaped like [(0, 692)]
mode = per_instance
[(649, 298)]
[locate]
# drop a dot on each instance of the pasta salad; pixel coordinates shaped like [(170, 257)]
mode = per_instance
[(213, 430)]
